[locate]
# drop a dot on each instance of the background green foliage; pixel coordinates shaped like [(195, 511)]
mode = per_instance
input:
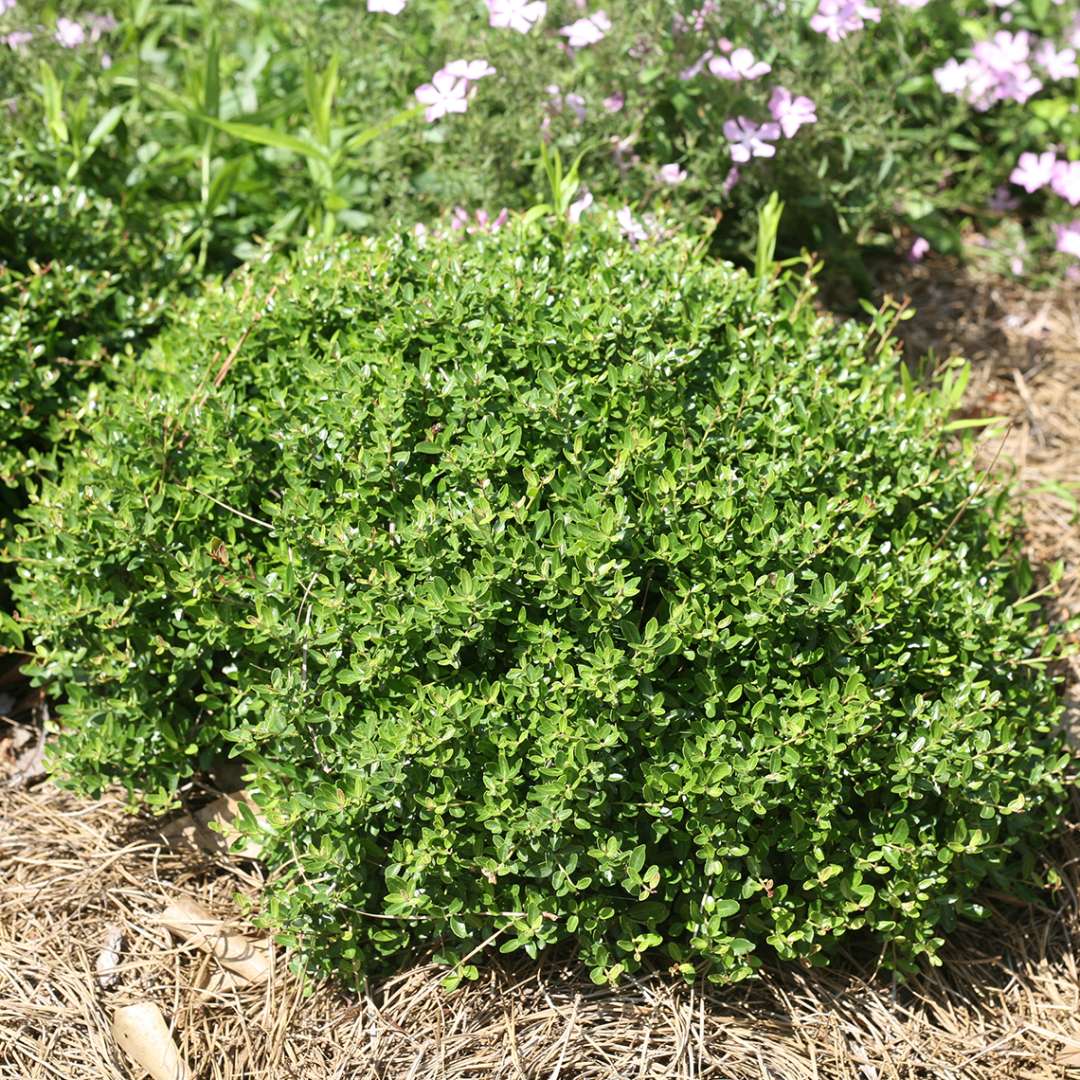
[(889, 153), (551, 588)]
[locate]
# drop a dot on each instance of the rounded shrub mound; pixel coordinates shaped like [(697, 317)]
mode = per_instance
[(552, 589)]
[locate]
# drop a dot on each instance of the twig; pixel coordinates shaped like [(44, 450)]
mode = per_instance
[(976, 490), (233, 510)]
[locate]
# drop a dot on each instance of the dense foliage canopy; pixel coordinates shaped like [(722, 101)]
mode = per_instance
[(551, 587)]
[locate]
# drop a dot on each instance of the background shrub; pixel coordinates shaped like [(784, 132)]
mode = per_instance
[(552, 589), (80, 284)]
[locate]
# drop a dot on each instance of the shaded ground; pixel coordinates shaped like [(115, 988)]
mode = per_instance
[(1005, 1005)]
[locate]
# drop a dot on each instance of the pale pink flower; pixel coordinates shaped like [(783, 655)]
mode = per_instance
[(919, 249), (576, 104), (69, 33), (101, 24), (791, 112), (484, 222), (622, 153), (519, 15), (730, 180), (672, 173), (954, 77), (1004, 50), (6, 5), (739, 66), (1033, 171), (748, 139), (579, 206), (913, 4), (696, 68), (586, 31), (838, 18), (470, 70), (614, 103), (1017, 84), (1065, 181), (17, 39), (1057, 64), (106, 61), (632, 229), (444, 94), (1068, 238)]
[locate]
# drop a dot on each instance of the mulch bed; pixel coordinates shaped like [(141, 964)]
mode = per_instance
[(1004, 1004)]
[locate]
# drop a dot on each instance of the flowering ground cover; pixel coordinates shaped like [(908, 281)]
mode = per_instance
[(891, 126)]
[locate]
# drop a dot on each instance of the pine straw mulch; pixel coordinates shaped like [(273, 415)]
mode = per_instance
[(1004, 1005)]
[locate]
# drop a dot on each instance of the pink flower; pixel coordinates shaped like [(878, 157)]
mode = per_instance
[(913, 4), (622, 153), (470, 70), (486, 223), (998, 71), (953, 77), (6, 5), (101, 24), (1004, 50), (17, 39), (577, 208), (672, 173), (749, 140), (918, 249), (838, 18), (445, 93), (1068, 238), (1033, 171), (1065, 181), (695, 69), (791, 112), (740, 65), (1005, 72), (69, 33), (586, 31), (519, 15), (106, 61), (730, 180), (1057, 65), (632, 229), (386, 7), (614, 103)]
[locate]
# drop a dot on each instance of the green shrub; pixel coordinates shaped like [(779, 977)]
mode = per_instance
[(553, 588), (78, 286)]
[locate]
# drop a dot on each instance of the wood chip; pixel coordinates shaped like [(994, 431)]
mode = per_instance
[(141, 1032), (213, 830), (249, 958)]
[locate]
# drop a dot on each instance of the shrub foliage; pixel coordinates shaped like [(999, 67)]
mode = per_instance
[(78, 285), (549, 589)]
